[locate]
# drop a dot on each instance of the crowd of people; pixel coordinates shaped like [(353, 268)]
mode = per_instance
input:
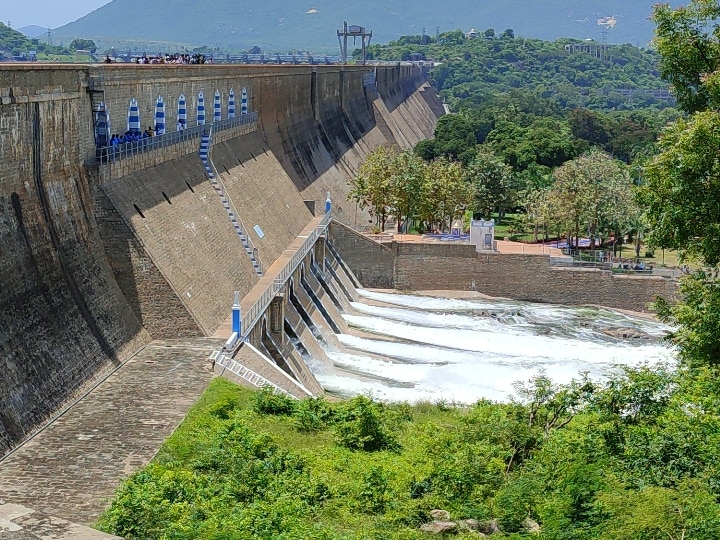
[(196, 58), (637, 265)]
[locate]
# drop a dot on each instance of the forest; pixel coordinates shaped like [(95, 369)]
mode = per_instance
[(570, 73), (540, 129), (632, 457)]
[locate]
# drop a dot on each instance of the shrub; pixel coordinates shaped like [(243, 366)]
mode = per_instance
[(268, 402), (362, 425), (312, 415)]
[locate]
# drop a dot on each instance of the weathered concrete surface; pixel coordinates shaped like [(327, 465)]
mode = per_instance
[(63, 319), (20, 523), (72, 468)]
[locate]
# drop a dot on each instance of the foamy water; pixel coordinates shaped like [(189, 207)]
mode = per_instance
[(430, 348)]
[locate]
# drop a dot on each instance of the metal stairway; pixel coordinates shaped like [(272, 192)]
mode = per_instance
[(214, 181)]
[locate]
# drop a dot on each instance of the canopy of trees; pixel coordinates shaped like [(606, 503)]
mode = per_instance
[(15, 42), (474, 70)]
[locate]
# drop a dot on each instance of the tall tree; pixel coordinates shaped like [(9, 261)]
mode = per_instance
[(491, 179), (406, 183), (445, 194), (687, 41), (371, 188), (593, 192), (682, 189)]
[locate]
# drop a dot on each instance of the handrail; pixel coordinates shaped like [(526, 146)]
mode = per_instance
[(106, 154), (251, 317), (226, 194), (249, 375)]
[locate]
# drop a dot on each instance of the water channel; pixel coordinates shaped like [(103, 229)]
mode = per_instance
[(411, 347)]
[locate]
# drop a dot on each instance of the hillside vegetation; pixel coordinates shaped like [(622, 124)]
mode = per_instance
[(283, 25), (13, 42), (472, 71), (633, 459)]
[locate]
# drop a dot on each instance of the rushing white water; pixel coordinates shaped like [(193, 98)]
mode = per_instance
[(428, 348)]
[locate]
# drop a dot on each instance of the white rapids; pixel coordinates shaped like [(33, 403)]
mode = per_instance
[(414, 348)]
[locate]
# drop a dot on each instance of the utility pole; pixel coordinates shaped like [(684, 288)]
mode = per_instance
[(49, 36), (437, 34)]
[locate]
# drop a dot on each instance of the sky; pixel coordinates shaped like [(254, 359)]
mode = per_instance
[(47, 13)]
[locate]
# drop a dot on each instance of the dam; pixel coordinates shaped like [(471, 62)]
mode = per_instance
[(119, 266)]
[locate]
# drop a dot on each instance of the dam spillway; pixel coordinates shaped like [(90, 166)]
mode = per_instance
[(120, 269), (100, 259)]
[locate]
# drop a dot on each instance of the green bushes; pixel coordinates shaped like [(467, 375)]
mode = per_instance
[(634, 458), (268, 402)]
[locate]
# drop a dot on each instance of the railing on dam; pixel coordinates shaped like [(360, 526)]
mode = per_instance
[(252, 316), (106, 154)]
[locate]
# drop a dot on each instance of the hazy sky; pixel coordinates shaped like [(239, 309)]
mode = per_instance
[(52, 13)]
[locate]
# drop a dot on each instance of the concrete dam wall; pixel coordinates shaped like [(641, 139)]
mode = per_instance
[(98, 259)]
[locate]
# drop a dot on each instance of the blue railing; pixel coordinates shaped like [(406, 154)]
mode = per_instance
[(106, 154)]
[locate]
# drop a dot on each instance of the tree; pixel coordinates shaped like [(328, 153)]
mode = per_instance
[(371, 188), (445, 193), (491, 179), (687, 41), (83, 44), (682, 189), (455, 137), (406, 181), (587, 125), (593, 193)]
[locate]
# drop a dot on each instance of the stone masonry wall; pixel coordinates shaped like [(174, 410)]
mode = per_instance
[(372, 262), (63, 318), (185, 231), (415, 266), (154, 302)]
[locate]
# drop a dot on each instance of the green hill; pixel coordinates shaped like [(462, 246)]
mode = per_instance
[(281, 25), (13, 42), (568, 72)]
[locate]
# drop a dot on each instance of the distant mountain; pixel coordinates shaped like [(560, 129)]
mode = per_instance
[(282, 25), (33, 30)]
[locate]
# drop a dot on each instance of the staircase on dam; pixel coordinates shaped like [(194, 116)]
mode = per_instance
[(205, 142)]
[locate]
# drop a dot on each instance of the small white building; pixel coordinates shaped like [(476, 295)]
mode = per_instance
[(472, 34), (482, 235)]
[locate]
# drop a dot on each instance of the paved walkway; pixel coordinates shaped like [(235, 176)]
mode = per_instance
[(72, 468), (503, 246)]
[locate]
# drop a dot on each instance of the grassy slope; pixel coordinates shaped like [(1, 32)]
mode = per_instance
[(366, 494)]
